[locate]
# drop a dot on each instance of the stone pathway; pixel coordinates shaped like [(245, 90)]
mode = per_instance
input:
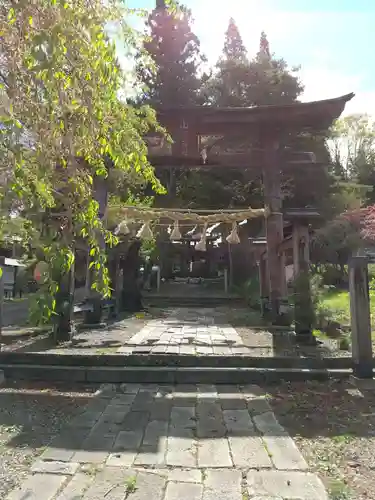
[(173, 443), (187, 331)]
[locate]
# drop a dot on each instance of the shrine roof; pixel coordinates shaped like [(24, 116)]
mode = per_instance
[(315, 114)]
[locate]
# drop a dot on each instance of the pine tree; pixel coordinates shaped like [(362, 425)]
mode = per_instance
[(175, 53), (234, 49)]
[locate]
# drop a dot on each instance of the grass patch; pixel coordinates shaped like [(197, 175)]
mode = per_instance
[(343, 438), (131, 485), (337, 303), (339, 491)]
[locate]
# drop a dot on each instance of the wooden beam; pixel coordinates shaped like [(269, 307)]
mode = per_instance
[(185, 162)]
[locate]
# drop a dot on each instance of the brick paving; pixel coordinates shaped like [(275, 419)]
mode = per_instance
[(187, 332), (155, 442)]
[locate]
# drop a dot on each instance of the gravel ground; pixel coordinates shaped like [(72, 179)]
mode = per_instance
[(264, 343), (96, 341), (31, 414), (334, 427)]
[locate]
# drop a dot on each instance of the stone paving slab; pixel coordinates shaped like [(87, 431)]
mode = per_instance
[(222, 485), (38, 487), (186, 332), (193, 442), (283, 450), (76, 487), (52, 467), (287, 485)]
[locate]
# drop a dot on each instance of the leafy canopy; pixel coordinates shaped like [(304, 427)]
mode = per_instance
[(63, 125)]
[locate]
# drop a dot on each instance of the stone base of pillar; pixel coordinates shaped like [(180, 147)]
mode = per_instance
[(306, 338), (363, 369), (94, 317), (131, 301)]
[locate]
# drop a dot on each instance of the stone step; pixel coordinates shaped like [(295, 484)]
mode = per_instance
[(139, 359), (193, 302), (167, 374)]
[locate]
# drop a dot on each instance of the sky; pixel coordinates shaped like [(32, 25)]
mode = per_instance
[(331, 40)]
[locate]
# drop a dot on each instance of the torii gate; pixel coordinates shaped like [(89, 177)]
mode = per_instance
[(265, 126)]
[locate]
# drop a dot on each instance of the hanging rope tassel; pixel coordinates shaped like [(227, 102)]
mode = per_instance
[(122, 228), (145, 232), (193, 233), (201, 245), (176, 234), (233, 238)]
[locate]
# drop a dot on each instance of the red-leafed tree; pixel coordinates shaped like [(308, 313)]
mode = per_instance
[(340, 238), (362, 221), (368, 225)]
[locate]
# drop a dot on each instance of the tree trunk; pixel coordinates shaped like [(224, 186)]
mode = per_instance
[(64, 327), (131, 299)]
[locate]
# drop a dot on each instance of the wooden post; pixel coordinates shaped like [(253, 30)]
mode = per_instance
[(284, 287), (300, 232), (230, 265), (304, 313), (158, 279), (263, 285), (14, 288), (295, 241), (274, 223), (305, 236), (1, 305), (226, 280), (360, 317)]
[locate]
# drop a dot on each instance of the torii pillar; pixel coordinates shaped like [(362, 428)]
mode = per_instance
[(274, 222)]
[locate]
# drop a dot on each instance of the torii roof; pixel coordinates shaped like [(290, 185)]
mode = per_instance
[(317, 115)]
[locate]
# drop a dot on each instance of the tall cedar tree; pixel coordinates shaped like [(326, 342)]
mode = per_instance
[(264, 80), (234, 49), (227, 87), (270, 80), (175, 53)]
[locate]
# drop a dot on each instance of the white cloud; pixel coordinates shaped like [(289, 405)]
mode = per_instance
[(251, 18), (322, 82), (293, 34)]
